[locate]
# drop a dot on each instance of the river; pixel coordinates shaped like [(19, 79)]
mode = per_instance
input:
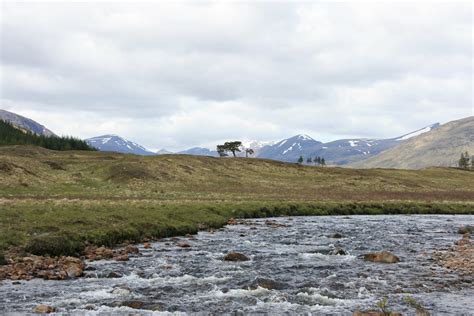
[(299, 258)]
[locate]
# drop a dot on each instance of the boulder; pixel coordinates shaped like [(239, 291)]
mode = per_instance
[(339, 252), (133, 304), (274, 224), (123, 257), (375, 313), (466, 230), (184, 245), (336, 235), (381, 257), (44, 309), (131, 249), (236, 256), (113, 275), (147, 245), (268, 284), (125, 290), (232, 221), (74, 270)]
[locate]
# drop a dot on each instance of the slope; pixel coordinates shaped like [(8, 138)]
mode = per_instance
[(439, 147)]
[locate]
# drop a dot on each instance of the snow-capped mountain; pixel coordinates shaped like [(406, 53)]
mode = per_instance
[(164, 152), (118, 144), (419, 132), (24, 123), (257, 145), (199, 151), (338, 152), (288, 149)]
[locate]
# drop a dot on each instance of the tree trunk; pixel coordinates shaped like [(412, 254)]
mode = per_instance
[(233, 152)]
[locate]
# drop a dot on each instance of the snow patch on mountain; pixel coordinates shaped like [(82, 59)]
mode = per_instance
[(418, 132), (116, 143)]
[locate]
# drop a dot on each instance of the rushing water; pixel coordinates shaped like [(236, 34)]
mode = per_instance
[(298, 257)]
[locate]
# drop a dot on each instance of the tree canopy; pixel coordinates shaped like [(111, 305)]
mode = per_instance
[(10, 135), (233, 147)]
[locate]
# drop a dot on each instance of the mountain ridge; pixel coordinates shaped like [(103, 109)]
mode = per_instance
[(25, 123), (441, 146), (115, 143)]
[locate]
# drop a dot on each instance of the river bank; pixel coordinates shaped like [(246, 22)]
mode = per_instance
[(63, 227)]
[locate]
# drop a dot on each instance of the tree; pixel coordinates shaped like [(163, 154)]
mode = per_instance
[(221, 151), (309, 160), (300, 160), (464, 160), (249, 151), (323, 162), (233, 147)]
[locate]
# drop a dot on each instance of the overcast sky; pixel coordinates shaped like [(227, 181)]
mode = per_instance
[(175, 75)]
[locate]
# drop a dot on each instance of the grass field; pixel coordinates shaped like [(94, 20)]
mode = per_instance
[(57, 202)]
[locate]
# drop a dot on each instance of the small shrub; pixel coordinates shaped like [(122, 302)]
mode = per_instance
[(3, 261), (55, 245), (383, 305)]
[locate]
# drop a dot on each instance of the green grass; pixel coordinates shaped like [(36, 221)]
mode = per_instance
[(51, 227), (58, 202)]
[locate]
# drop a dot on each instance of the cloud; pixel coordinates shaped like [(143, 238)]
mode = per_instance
[(179, 74)]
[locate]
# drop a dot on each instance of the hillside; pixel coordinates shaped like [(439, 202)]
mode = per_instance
[(33, 171), (25, 123), (56, 202), (439, 147), (12, 135)]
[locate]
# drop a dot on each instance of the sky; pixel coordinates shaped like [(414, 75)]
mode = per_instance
[(178, 74)]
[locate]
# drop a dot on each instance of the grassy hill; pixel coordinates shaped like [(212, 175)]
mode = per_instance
[(439, 147), (16, 135), (61, 200)]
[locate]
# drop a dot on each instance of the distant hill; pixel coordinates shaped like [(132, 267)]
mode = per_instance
[(164, 152), (115, 143), (25, 123), (199, 151), (338, 152), (438, 147), (12, 135), (289, 149)]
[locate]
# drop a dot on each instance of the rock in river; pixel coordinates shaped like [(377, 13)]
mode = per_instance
[(375, 313), (236, 256), (466, 229), (381, 257), (267, 284), (44, 309)]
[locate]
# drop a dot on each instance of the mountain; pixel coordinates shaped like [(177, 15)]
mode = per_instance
[(24, 123), (164, 152), (338, 152), (257, 145), (11, 135), (199, 151), (118, 144), (289, 149), (346, 151), (441, 146)]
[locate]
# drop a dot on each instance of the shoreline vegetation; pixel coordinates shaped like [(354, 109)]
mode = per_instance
[(58, 203)]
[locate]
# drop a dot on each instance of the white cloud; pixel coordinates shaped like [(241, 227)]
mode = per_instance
[(179, 74)]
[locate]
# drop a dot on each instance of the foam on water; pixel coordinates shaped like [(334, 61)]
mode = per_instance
[(296, 257)]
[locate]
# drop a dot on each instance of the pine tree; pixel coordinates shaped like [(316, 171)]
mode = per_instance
[(309, 160), (464, 161), (323, 162), (10, 135), (300, 160)]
